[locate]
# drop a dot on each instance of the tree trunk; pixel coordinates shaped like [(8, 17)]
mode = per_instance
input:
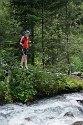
[(67, 39), (43, 60), (32, 30)]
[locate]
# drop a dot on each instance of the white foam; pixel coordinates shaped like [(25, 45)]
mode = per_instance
[(45, 112)]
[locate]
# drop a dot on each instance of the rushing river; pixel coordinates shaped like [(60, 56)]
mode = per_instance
[(44, 112)]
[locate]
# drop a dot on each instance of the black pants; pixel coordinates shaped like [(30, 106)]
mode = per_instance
[(24, 51)]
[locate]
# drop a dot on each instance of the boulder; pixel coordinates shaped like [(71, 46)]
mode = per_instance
[(28, 119), (81, 101), (78, 123), (69, 114), (76, 73)]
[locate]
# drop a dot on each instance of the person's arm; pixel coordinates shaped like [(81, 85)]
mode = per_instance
[(22, 41), (31, 42)]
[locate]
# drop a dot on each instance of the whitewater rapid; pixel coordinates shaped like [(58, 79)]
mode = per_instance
[(44, 112)]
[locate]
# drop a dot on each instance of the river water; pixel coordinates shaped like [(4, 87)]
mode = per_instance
[(44, 112)]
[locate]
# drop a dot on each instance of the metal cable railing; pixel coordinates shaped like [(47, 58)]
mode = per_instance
[(57, 43)]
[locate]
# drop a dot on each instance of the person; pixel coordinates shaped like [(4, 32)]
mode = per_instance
[(24, 42)]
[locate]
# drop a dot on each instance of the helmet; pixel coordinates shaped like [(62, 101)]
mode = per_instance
[(27, 32)]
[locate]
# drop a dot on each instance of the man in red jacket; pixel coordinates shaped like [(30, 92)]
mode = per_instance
[(24, 42)]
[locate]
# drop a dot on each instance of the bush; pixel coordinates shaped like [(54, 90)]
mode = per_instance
[(47, 83), (26, 85), (34, 83), (5, 95), (73, 84), (21, 84)]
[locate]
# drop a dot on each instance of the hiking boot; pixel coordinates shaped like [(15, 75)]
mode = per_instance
[(21, 66), (26, 67)]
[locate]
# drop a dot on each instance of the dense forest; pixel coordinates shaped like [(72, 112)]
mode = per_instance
[(57, 32)]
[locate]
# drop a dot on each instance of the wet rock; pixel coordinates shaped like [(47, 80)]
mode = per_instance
[(78, 123), (81, 101), (76, 73), (69, 114), (2, 101), (50, 117), (28, 119), (81, 91)]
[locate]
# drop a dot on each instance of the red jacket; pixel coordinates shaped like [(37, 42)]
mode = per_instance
[(25, 42)]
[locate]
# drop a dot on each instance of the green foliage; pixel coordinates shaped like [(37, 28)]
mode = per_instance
[(57, 29), (53, 24), (26, 85), (2, 76), (45, 83), (34, 83), (21, 83), (5, 92), (9, 27), (77, 66), (5, 95), (74, 84)]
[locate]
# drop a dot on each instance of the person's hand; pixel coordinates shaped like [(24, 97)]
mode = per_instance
[(30, 41), (21, 44)]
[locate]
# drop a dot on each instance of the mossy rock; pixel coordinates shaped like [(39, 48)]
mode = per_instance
[(78, 123), (69, 114)]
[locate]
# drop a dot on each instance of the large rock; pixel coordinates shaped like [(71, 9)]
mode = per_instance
[(78, 123), (81, 101), (76, 73), (28, 119), (69, 114)]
